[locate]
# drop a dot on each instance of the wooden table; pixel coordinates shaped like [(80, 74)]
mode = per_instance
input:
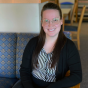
[(65, 13)]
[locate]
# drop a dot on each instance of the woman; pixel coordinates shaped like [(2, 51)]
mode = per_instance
[(50, 55)]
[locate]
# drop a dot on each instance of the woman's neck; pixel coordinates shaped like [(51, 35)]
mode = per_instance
[(50, 39), (49, 44)]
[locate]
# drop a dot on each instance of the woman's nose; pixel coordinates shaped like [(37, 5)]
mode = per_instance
[(50, 23)]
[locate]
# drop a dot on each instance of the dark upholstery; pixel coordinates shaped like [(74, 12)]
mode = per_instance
[(7, 82), (67, 34), (67, 21), (70, 28)]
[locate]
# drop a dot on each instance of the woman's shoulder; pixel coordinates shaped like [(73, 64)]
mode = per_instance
[(70, 49), (70, 44), (34, 39)]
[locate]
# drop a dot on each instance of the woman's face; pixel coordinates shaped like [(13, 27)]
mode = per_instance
[(51, 22)]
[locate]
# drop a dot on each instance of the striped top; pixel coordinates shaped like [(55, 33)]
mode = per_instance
[(43, 70)]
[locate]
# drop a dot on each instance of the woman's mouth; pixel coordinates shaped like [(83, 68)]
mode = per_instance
[(51, 30)]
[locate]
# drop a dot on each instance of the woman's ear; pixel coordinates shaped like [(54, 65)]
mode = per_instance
[(41, 23), (61, 21)]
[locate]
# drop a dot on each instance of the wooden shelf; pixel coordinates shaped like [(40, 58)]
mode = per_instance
[(22, 1), (54, 1), (6, 1)]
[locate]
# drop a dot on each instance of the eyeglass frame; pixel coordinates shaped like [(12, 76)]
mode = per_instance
[(53, 20)]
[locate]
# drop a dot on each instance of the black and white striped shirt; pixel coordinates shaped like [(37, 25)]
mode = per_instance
[(43, 70)]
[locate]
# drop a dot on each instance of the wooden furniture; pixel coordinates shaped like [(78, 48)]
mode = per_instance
[(76, 86), (53, 1), (23, 1), (70, 22), (5, 1), (66, 4), (65, 13), (76, 30), (81, 3), (76, 12)]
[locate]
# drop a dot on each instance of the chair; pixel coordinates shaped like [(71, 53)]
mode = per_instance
[(76, 30), (76, 86), (70, 22)]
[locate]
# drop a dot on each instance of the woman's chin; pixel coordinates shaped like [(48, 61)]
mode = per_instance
[(52, 35)]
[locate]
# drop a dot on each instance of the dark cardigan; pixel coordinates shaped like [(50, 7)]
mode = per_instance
[(69, 60)]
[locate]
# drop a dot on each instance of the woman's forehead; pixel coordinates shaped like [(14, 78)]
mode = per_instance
[(51, 13)]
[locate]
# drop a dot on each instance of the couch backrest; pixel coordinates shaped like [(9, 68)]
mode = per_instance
[(12, 46), (22, 40), (8, 55)]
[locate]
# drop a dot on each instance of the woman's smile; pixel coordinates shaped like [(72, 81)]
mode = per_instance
[(51, 30)]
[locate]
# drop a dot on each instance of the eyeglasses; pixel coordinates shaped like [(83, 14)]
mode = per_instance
[(54, 21)]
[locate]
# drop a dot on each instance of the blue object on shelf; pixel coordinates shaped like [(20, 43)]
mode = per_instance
[(66, 3)]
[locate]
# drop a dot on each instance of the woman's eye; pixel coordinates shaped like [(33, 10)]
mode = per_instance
[(55, 19), (46, 20)]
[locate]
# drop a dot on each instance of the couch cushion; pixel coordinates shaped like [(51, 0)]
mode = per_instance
[(7, 82), (22, 40), (7, 55), (68, 35)]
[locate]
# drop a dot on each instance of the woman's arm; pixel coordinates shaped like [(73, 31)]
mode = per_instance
[(26, 68), (74, 64)]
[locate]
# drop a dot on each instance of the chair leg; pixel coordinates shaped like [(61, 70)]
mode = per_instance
[(78, 42)]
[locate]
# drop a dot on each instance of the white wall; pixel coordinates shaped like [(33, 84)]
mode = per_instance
[(19, 18)]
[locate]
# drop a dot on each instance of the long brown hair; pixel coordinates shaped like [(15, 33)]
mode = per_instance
[(41, 39)]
